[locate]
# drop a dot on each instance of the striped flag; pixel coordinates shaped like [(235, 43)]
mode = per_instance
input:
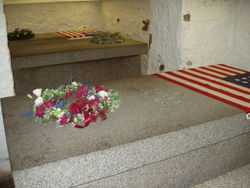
[(75, 34), (221, 82)]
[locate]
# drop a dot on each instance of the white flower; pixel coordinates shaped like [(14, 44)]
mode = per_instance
[(39, 101), (74, 83), (30, 96), (37, 92), (101, 106), (103, 94), (92, 97)]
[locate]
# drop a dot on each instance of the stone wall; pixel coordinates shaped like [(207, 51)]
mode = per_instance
[(6, 89), (4, 156), (52, 17), (165, 30), (217, 32), (6, 83), (126, 17), (240, 51), (129, 17), (214, 31)]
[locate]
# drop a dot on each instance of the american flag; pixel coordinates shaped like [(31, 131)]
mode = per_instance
[(74, 34), (221, 82)]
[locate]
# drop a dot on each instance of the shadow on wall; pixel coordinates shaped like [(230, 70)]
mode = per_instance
[(6, 181)]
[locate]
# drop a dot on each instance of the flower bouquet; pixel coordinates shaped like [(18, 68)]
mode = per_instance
[(74, 104), (107, 38), (21, 34)]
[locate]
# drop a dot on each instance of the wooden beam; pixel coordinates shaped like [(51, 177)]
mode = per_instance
[(14, 2)]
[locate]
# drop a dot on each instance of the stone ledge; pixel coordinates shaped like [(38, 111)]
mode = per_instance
[(183, 171), (151, 107), (87, 72), (236, 178), (119, 159), (52, 52)]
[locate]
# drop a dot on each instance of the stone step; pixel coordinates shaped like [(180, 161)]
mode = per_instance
[(237, 178), (53, 62), (162, 135)]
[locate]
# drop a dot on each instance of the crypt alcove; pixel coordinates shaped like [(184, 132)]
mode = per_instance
[(61, 60), (162, 134)]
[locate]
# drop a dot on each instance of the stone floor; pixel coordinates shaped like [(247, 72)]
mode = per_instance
[(239, 178), (151, 107)]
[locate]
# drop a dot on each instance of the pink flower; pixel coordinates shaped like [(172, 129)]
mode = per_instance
[(68, 94), (40, 112), (82, 91), (64, 120), (99, 88)]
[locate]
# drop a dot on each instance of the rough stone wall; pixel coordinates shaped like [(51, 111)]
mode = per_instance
[(52, 17), (126, 17), (217, 32), (6, 89), (240, 51), (165, 30), (6, 83), (4, 156), (214, 31)]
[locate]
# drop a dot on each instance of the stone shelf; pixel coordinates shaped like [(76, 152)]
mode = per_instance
[(53, 49)]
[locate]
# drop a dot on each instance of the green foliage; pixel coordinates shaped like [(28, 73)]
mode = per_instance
[(108, 38), (21, 34)]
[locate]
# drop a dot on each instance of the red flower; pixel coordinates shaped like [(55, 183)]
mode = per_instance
[(64, 120), (87, 122), (94, 102), (48, 104), (102, 115), (40, 112), (74, 109), (93, 117), (68, 94), (82, 91), (79, 126), (82, 103), (99, 88)]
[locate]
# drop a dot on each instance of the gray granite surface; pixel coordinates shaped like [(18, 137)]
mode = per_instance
[(72, 51), (239, 178), (151, 107), (89, 72), (157, 121), (181, 171)]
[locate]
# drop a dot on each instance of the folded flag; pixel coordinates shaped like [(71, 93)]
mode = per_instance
[(221, 82), (77, 33)]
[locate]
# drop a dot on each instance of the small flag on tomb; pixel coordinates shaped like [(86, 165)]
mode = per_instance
[(75, 34), (221, 82)]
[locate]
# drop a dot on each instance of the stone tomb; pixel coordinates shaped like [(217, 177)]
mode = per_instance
[(49, 60), (158, 124)]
